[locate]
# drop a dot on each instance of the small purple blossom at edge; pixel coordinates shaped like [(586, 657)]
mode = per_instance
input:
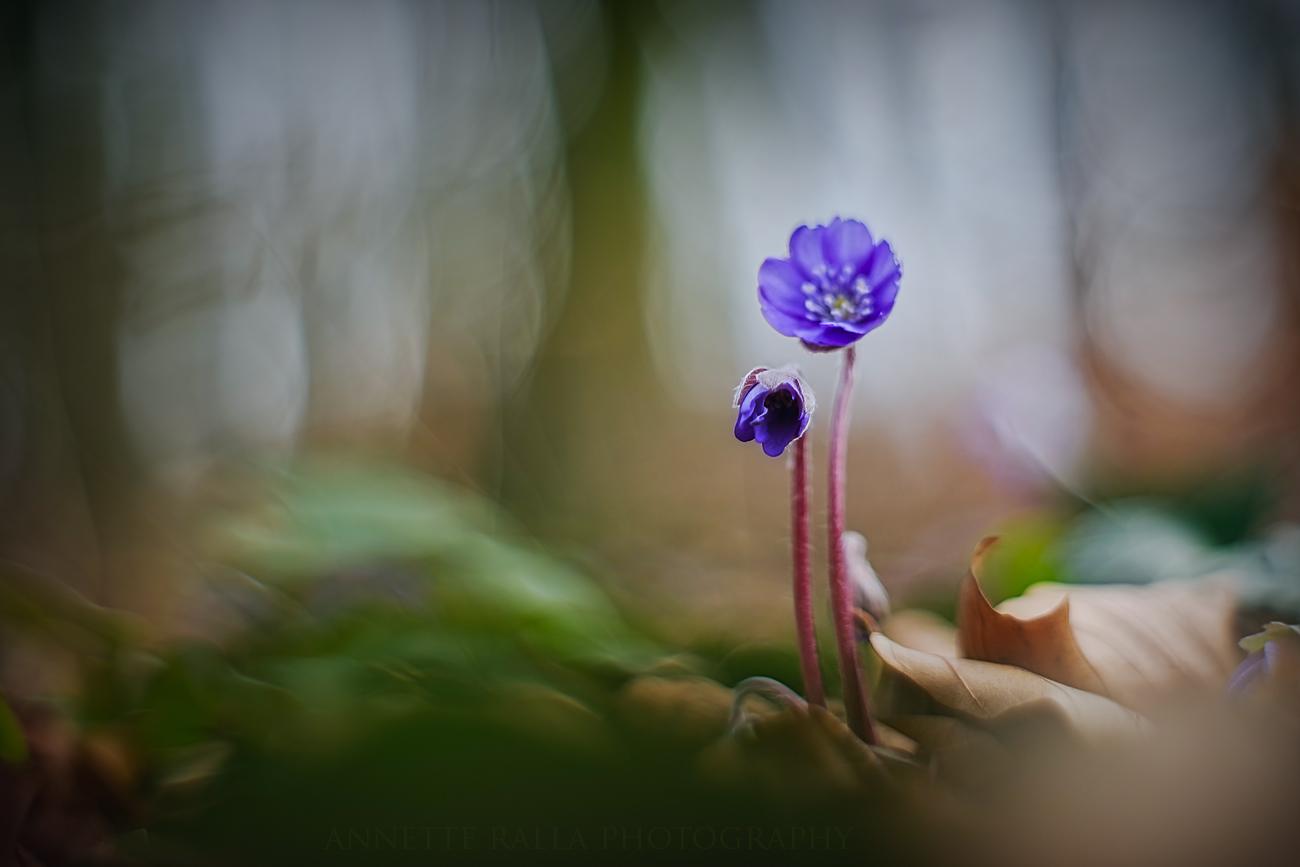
[(775, 406), (1265, 648)]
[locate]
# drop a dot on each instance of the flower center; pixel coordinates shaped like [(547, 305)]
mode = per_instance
[(781, 406), (832, 300)]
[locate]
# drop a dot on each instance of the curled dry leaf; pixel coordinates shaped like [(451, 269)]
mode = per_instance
[(989, 694), (1137, 645), (1044, 644)]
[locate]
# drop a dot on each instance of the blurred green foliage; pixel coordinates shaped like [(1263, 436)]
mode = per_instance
[(368, 647), (1026, 555), (377, 594), (371, 647)]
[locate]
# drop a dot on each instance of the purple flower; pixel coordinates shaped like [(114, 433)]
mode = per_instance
[(837, 285), (775, 408)]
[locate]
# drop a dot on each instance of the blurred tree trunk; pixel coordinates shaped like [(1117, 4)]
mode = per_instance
[(571, 437), (66, 470)]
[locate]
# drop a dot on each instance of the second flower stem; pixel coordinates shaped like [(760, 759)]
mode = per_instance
[(803, 603), (857, 703)]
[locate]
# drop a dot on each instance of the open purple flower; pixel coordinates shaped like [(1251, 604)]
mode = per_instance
[(837, 285), (775, 407)]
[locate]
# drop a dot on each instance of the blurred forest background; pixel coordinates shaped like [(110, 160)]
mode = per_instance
[(513, 245)]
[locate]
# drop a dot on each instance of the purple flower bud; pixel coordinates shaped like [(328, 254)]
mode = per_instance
[(837, 285), (775, 407)]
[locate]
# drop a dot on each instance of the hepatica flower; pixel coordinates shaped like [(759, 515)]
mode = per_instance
[(775, 407), (837, 285)]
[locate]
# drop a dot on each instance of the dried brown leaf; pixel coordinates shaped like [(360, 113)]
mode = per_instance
[(990, 694), (1137, 645), (1043, 644)]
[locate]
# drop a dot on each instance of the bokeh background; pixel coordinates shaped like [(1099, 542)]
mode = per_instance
[(513, 245)]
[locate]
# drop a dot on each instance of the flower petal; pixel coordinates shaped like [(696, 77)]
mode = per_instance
[(781, 285), (744, 429), (783, 322), (832, 336), (751, 411), (806, 249), (847, 242), (882, 266), (780, 433), (859, 327), (872, 324), (884, 298)]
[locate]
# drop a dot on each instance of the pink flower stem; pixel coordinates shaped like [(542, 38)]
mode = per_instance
[(857, 703), (803, 603)]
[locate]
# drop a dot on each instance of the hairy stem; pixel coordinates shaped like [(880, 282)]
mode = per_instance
[(857, 703), (803, 602)]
